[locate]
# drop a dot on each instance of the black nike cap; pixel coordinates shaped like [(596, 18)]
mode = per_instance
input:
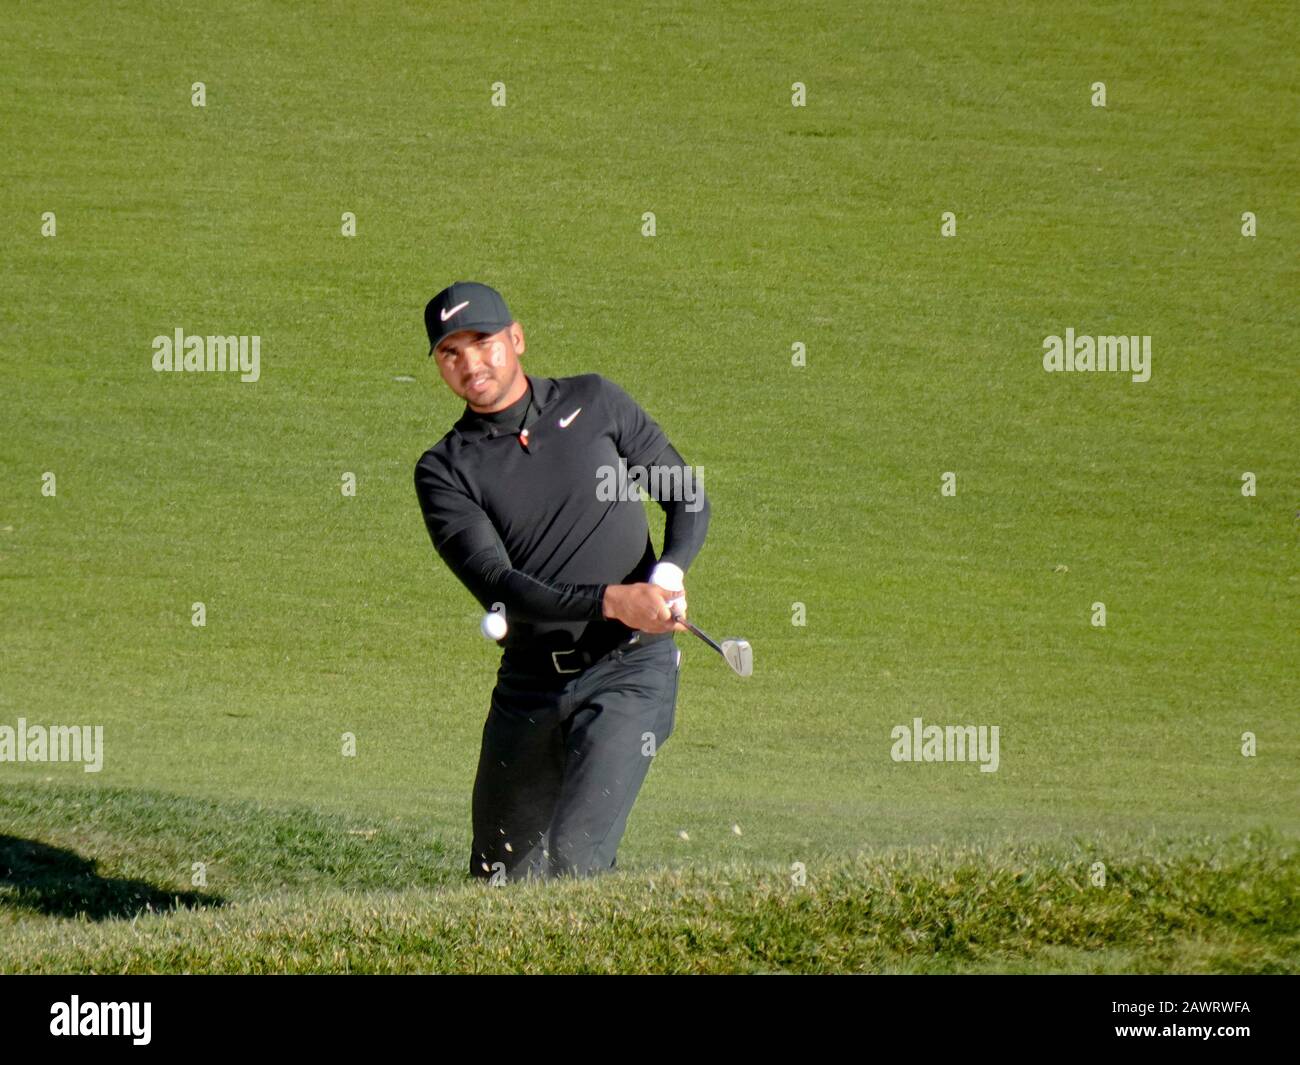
[(465, 305)]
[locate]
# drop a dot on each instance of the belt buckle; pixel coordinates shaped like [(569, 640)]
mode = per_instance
[(555, 660)]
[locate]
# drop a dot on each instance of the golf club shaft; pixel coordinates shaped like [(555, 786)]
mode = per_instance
[(700, 633)]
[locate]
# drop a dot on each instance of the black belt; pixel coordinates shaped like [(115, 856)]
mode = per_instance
[(573, 659)]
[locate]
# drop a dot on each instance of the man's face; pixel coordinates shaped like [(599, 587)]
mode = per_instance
[(483, 368)]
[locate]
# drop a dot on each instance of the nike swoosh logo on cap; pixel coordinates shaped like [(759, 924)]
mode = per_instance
[(564, 422), (448, 314)]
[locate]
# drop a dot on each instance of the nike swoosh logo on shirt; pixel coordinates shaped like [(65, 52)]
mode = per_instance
[(564, 422), (448, 314)]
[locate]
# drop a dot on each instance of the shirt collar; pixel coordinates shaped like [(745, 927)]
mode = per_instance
[(474, 425)]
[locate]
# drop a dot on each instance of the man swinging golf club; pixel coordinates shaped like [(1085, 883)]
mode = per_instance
[(587, 686)]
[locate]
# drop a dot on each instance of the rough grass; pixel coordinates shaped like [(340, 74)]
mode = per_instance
[(295, 891)]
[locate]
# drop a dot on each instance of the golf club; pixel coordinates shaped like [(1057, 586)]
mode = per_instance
[(736, 652)]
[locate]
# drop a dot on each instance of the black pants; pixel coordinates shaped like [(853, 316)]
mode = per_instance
[(563, 758)]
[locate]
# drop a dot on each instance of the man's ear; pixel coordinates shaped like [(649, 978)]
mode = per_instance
[(517, 336)]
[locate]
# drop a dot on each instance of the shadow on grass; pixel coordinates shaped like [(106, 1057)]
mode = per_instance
[(60, 883)]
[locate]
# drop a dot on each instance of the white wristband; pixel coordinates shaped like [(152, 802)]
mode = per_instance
[(668, 575)]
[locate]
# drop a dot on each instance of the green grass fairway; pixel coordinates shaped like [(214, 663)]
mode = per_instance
[(775, 225)]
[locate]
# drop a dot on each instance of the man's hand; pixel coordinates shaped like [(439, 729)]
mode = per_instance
[(641, 606)]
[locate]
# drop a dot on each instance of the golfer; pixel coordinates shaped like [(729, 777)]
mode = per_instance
[(516, 498)]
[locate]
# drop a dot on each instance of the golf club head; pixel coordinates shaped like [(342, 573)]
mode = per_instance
[(739, 656)]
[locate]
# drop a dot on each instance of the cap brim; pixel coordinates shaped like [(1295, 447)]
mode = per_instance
[(470, 327)]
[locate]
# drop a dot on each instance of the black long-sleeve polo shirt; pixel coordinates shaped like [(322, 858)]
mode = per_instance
[(531, 525)]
